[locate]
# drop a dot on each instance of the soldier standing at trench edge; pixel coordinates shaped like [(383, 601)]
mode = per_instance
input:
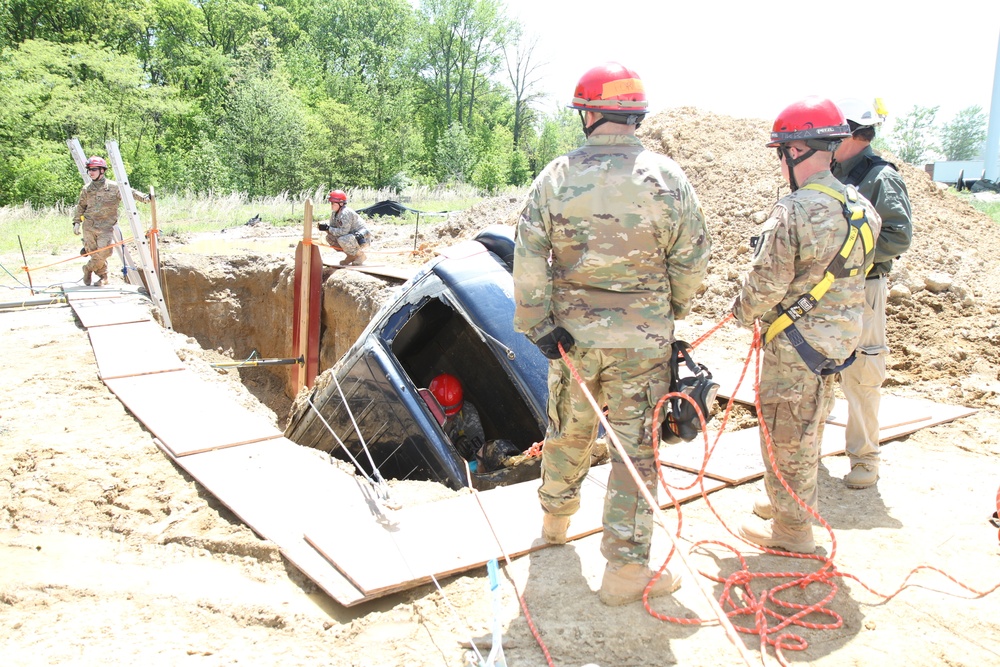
[(610, 249), (96, 217), (806, 285)]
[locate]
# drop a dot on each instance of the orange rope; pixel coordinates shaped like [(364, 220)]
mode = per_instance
[(85, 254), (755, 603)]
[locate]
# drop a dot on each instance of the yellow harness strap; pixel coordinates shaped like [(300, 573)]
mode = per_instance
[(857, 228)]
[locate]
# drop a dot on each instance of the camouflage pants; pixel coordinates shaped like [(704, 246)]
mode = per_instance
[(94, 238), (347, 243), (628, 382), (795, 403), (862, 380)]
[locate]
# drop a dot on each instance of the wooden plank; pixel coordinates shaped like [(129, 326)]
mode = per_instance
[(188, 414), (281, 489), (103, 312), (736, 458), (396, 272), (86, 292), (136, 348), (463, 533)]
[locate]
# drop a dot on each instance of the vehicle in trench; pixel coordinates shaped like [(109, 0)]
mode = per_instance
[(454, 316)]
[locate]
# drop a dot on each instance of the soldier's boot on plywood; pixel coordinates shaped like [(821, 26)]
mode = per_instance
[(776, 535), (625, 583), (554, 528), (103, 279), (87, 276)]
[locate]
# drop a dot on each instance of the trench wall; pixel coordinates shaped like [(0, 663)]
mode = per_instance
[(238, 303)]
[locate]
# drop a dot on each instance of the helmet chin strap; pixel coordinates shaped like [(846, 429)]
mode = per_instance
[(588, 130), (791, 163)]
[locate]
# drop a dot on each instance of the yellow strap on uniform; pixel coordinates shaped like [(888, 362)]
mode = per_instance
[(857, 227)]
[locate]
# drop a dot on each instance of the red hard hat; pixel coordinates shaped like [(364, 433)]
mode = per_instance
[(814, 118), (610, 87), (448, 391), (337, 197), (96, 162)]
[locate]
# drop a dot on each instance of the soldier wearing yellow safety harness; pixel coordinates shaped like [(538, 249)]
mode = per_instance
[(806, 286)]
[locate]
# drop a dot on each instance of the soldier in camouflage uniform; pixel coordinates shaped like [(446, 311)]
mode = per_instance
[(346, 231), (96, 217), (803, 234), (610, 249)]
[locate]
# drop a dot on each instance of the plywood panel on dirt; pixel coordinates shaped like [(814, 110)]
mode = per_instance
[(86, 293), (188, 414), (102, 312), (463, 533), (136, 348), (281, 490)]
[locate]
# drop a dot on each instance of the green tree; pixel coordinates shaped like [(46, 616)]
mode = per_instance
[(911, 138), (963, 137), (493, 171), (455, 158)]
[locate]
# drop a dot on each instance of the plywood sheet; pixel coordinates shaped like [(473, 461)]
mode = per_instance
[(281, 490), (102, 312), (86, 293), (188, 414), (455, 535), (735, 459), (136, 348)]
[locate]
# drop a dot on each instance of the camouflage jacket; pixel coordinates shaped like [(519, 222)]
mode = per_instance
[(884, 188), (347, 221), (612, 246), (97, 207), (797, 242)]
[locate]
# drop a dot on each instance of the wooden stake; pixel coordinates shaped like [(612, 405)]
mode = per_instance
[(308, 285)]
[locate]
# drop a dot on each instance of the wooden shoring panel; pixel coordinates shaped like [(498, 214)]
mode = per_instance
[(188, 414), (136, 348), (103, 312), (463, 533), (281, 490)]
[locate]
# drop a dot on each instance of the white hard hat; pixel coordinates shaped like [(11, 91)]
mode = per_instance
[(860, 112)]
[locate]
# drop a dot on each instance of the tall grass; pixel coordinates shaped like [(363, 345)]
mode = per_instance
[(990, 207), (49, 230)]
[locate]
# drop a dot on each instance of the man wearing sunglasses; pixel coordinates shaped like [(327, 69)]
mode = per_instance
[(96, 217)]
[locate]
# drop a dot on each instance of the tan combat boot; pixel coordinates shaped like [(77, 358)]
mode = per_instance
[(103, 280), (87, 275), (554, 528), (762, 508), (360, 258), (862, 475), (775, 535), (625, 583), (348, 260)]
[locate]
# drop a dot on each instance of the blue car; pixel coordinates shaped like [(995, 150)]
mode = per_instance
[(454, 316)]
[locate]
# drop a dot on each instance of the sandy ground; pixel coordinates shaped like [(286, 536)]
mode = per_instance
[(110, 554)]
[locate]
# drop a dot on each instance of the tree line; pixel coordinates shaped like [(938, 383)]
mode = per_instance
[(263, 98), (916, 138)]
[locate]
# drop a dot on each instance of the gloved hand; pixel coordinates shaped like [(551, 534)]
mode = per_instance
[(76, 228), (549, 343), (323, 226)]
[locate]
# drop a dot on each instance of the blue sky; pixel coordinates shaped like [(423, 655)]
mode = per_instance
[(752, 59)]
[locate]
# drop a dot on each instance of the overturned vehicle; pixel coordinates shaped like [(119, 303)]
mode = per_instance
[(454, 316)]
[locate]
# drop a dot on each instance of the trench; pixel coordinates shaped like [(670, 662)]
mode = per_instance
[(241, 304)]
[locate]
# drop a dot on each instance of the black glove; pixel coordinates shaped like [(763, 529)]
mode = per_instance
[(323, 226), (549, 343)]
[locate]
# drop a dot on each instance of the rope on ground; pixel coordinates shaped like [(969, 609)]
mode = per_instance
[(753, 604)]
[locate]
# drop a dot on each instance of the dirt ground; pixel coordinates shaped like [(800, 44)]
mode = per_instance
[(110, 554)]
